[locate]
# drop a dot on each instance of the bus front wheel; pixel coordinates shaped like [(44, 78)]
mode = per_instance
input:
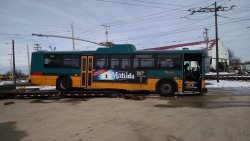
[(64, 84), (166, 88)]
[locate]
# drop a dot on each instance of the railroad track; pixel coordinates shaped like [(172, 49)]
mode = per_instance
[(35, 93), (229, 77)]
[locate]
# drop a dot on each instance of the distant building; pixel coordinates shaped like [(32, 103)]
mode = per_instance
[(246, 67), (5, 77), (203, 45)]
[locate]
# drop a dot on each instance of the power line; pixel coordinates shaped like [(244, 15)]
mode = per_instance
[(132, 4), (157, 3), (183, 28), (179, 30)]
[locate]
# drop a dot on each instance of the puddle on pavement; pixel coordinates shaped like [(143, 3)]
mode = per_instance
[(73, 101), (43, 101), (211, 100), (8, 103), (9, 132), (204, 104), (229, 91)]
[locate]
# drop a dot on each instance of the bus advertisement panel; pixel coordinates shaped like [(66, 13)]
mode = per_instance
[(129, 76)]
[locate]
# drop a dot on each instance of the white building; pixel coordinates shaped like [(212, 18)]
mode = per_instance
[(210, 47)]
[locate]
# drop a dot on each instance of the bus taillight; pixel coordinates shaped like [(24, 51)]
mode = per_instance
[(36, 73)]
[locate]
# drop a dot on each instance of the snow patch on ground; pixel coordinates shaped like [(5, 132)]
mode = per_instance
[(5, 82), (226, 84), (39, 87), (220, 73)]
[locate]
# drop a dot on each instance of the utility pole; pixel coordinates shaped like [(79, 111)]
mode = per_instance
[(37, 47), (73, 37), (208, 9), (28, 59), (106, 31), (206, 39), (14, 66), (216, 40), (11, 67)]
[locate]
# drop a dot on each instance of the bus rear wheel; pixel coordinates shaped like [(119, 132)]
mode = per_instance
[(64, 84), (166, 88)]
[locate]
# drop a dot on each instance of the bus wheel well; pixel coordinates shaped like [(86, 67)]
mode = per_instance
[(64, 83), (61, 76), (166, 80)]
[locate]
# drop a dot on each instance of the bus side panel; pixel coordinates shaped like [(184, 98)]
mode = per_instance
[(76, 81), (203, 84), (151, 86), (180, 85), (38, 80), (51, 80)]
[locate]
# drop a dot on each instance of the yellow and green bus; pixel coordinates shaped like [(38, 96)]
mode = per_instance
[(121, 67)]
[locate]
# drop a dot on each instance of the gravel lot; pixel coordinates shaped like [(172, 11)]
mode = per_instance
[(221, 115)]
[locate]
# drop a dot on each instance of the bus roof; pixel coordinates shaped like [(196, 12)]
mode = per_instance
[(121, 49)]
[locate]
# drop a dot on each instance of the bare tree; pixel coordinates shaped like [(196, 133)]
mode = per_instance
[(19, 74), (234, 61)]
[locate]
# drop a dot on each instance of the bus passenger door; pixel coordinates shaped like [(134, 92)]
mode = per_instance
[(192, 73), (87, 71)]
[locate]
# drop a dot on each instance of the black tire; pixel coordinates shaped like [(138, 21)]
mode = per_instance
[(166, 88), (64, 84)]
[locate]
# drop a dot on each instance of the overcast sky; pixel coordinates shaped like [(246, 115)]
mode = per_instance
[(144, 23)]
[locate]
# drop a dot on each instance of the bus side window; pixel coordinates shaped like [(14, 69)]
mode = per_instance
[(144, 61), (101, 62), (165, 63), (135, 63), (114, 63), (52, 60), (71, 61), (147, 63), (168, 61), (125, 62)]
